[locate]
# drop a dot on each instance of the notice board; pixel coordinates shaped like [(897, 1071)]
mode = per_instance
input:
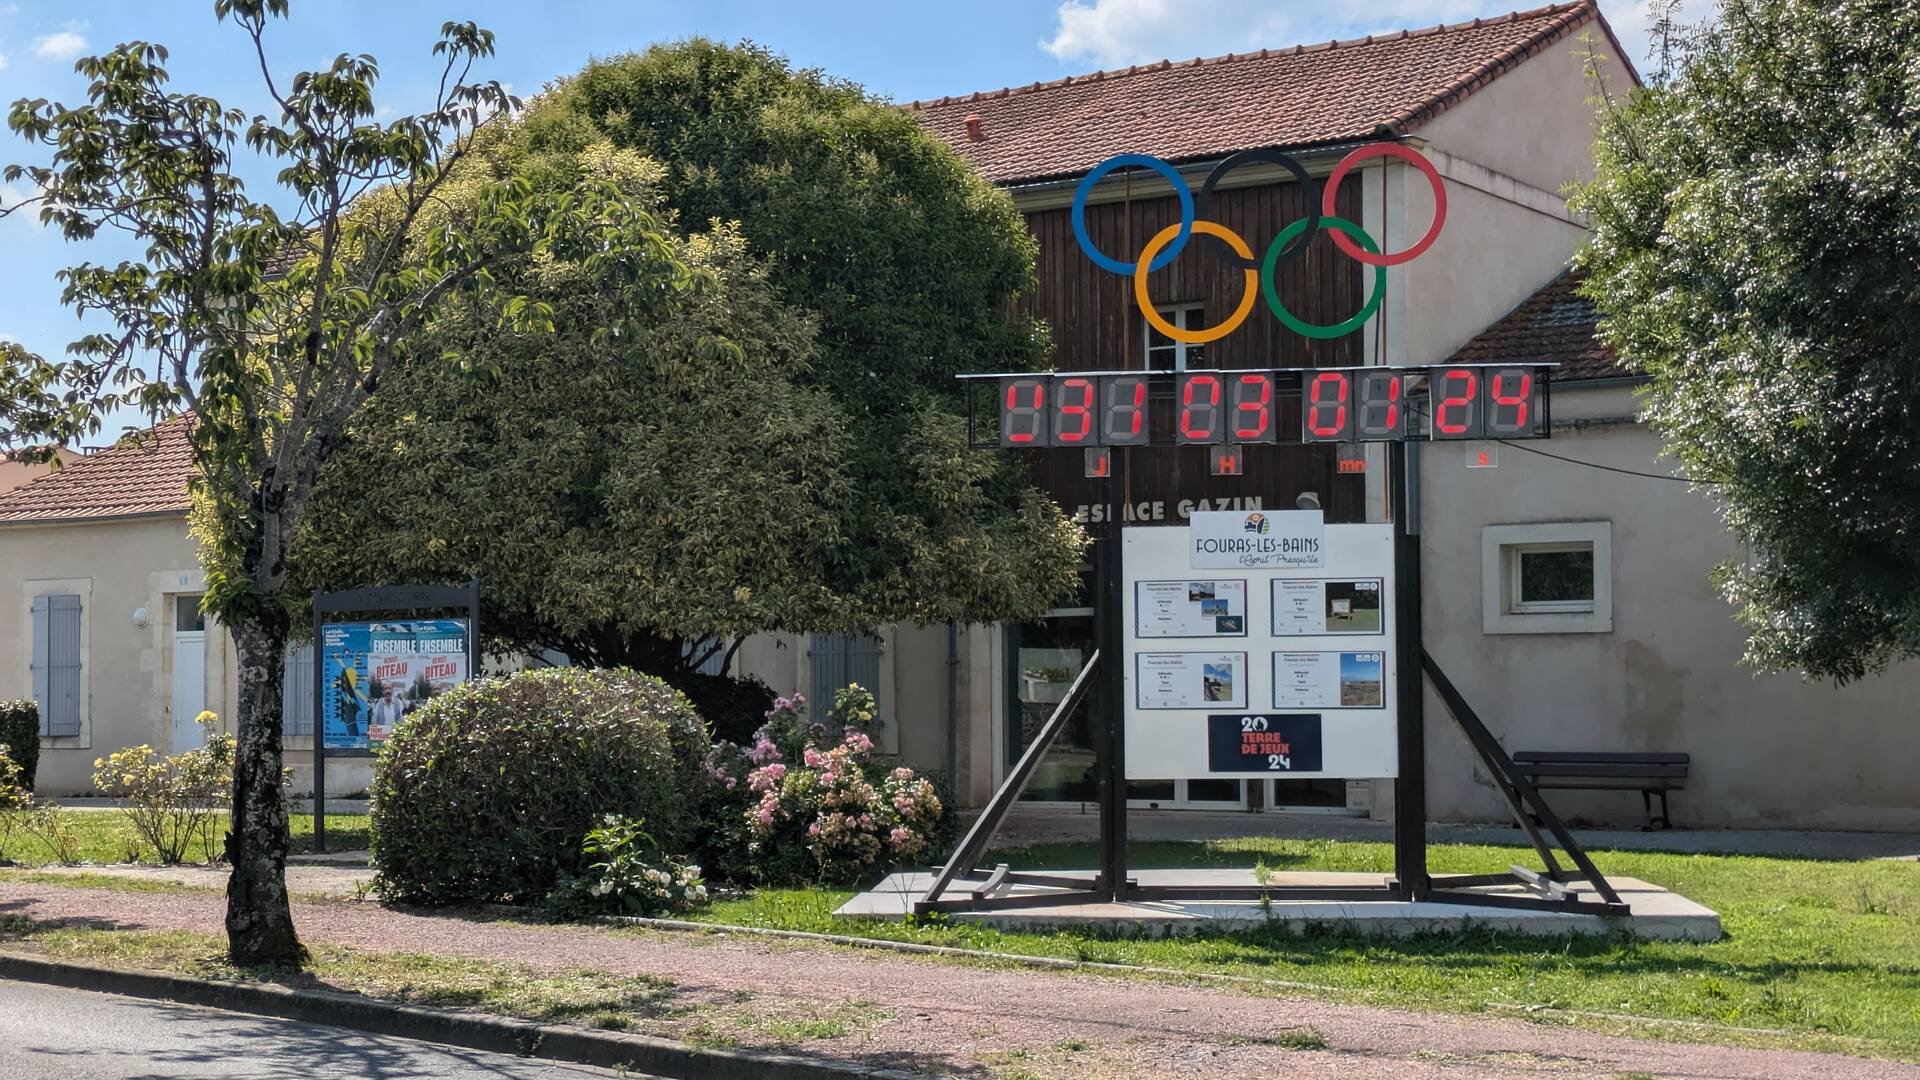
[(1259, 644)]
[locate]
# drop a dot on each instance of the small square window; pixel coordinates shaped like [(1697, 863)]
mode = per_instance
[(1547, 578), (1551, 577), (1164, 353)]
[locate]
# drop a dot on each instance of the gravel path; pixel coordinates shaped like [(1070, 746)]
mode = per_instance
[(967, 1020)]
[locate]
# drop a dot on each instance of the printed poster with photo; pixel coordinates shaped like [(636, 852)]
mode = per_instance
[(375, 673), (1190, 680), (1310, 607), (1175, 609), (1329, 680)]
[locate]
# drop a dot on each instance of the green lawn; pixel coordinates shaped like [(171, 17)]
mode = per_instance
[(1828, 952), (103, 836)]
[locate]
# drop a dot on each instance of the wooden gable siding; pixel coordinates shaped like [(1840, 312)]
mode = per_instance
[(1096, 326)]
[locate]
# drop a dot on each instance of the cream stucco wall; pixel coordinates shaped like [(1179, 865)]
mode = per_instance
[(117, 567), (1767, 749)]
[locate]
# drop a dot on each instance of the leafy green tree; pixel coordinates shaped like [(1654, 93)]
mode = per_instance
[(268, 327), (635, 501), (1756, 252), (616, 492)]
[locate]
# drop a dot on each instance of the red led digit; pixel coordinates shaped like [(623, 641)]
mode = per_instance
[(1199, 408), (1453, 405), (1073, 412), (1327, 406), (1378, 414), (1253, 408), (1023, 415), (1511, 393), (1123, 412)]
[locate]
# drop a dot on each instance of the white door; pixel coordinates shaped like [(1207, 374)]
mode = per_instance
[(189, 673)]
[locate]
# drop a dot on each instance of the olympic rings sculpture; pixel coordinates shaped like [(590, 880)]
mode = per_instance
[(1231, 248)]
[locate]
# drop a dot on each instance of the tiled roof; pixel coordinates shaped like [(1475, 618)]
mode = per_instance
[(145, 475), (1338, 91), (1553, 326)]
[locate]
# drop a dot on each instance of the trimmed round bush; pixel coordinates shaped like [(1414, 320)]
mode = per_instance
[(486, 793)]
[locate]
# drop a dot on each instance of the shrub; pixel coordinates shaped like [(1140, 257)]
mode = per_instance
[(20, 737), (15, 801), (488, 792), (819, 807), (734, 708), (631, 877), (171, 800), (45, 822)]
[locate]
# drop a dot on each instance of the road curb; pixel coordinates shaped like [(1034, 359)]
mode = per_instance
[(474, 1031)]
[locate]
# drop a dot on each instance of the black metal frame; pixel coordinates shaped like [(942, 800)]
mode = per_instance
[(375, 600), (1547, 889)]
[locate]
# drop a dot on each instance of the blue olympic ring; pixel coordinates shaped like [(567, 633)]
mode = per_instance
[(1119, 161)]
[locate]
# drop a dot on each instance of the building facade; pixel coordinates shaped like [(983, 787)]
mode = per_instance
[(1571, 604), (1631, 650)]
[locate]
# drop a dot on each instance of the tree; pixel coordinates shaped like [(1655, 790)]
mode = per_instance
[(819, 482), (1756, 252), (267, 329), (667, 483)]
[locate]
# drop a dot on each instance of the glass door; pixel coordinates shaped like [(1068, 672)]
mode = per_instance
[(1042, 660)]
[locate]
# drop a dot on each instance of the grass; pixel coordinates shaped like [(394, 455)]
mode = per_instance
[(1827, 953), (104, 836), (581, 996)]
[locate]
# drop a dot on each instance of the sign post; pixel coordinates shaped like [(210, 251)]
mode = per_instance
[(426, 645)]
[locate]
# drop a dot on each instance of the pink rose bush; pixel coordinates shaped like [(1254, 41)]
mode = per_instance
[(824, 807)]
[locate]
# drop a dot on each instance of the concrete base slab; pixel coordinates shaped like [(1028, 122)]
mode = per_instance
[(1657, 914)]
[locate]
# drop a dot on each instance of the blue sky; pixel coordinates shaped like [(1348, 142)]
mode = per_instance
[(902, 50)]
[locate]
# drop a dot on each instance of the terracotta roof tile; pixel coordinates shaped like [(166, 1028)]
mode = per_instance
[(1338, 91), (1553, 326), (145, 475)]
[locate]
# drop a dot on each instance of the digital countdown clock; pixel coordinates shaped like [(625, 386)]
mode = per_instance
[(1372, 404)]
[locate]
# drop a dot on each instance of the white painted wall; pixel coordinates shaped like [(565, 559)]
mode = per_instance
[(1768, 750)]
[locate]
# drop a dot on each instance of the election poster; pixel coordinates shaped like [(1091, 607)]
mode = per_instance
[(375, 673)]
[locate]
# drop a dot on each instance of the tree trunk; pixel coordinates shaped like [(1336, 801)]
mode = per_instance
[(259, 917)]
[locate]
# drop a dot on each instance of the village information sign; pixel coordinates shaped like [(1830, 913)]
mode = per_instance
[(1259, 643), (375, 673)]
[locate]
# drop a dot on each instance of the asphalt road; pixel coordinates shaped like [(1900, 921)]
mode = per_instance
[(49, 1033)]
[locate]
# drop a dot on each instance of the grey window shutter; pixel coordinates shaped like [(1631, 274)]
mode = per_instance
[(56, 664), (40, 650), (297, 703), (836, 661), (715, 664)]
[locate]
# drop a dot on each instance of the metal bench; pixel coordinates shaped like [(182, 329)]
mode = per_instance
[(1650, 774)]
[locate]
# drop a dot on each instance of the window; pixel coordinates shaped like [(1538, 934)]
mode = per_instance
[(836, 661), (57, 686), (1166, 354), (1547, 578), (296, 702), (187, 618), (1551, 577)]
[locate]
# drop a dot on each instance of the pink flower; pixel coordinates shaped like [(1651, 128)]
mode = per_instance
[(900, 835), (767, 777), (813, 759), (763, 751), (858, 742), (902, 773)]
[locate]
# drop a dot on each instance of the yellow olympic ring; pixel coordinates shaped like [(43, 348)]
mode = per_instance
[(1248, 291)]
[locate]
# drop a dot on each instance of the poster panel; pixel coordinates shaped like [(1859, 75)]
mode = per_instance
[(1329, 680), (375, 673), (1190, 608), (1310, 607), (1190, 680)]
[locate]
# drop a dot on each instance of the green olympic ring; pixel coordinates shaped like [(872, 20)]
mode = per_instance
[(1293, 322)]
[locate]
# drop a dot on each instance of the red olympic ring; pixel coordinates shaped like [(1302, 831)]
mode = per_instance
[(1412, 157)]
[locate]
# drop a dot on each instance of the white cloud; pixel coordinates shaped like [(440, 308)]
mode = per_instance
[(1111, 33), (61, 46), (11, 196), (3, 61)]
